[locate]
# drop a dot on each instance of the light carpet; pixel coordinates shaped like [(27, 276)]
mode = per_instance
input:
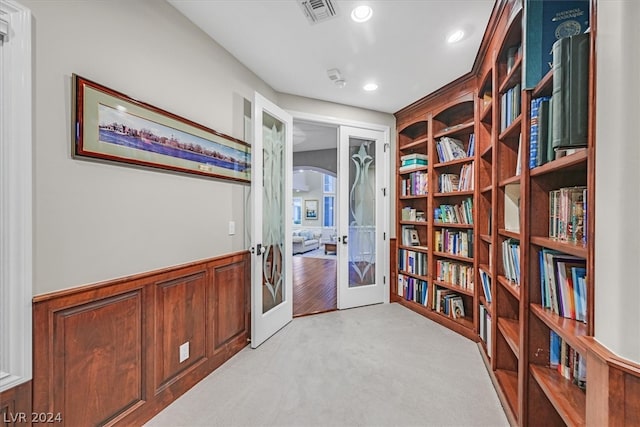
[(380, 365)]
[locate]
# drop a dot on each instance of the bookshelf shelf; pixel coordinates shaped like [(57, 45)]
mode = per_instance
[(576, 249), (573, 161), (454, 194), (414, 248), (452, 256), (414, 144), (453, 287), (455, 130), (509, 181), (485, 115), (511, 287), (413, 197), (452, 225), (513, 130), (485, 238), (453, 162), (465, 322), (410, 171), (569, 329), (416, 276), (486, 153), (508, 382), (418, 223), (509, 328), (509, 234), (567, 398), (513, 77), (544, 86)]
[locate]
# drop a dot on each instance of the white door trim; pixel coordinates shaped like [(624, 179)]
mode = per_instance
[(319, 118), (16, 210)]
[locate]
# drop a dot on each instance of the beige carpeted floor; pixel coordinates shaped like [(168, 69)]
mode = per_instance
[(380, 365)]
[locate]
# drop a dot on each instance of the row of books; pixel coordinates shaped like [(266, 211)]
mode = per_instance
[(412, 161), (449, 149), (412, 262), (411, 214), (485, 279), (410, 236), (540, 141), (466, 177), (416, 184), (567, 214), (412, 289), (448, 302), (448, 182), (511, 260), (455, 273), (454, 242), (485, 327), (568, 362), (509, 106), (563, 284), (455, 214)]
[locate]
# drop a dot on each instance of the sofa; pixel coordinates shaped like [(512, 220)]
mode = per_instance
[(305, 241)]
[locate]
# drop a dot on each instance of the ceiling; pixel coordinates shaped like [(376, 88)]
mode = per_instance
[(402, 48)]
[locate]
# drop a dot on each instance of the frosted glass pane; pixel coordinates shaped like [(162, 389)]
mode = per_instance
[(362, 213), (273, 212)]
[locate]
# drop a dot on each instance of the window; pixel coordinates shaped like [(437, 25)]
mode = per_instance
[(328, 183), (328, 214), (297, 210)]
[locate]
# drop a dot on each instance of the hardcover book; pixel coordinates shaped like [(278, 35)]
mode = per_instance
[(546, 21)]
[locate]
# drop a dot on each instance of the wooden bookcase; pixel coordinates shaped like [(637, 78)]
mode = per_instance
[(510, 219)]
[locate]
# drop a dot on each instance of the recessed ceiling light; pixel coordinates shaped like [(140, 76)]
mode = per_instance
[(456, 36), (361, 13), (370, 87)]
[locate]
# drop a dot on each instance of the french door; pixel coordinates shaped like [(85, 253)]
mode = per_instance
[(272, 168), (363, 213)]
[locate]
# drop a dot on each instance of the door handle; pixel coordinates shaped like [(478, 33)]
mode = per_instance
[(259, 249), (344, 239)]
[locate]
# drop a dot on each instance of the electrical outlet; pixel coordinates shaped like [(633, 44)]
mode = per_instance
[(184, 352), (232, 228)]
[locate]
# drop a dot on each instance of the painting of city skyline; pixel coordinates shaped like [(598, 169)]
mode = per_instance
[(126, 130)]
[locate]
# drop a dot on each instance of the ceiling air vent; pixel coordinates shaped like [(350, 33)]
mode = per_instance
[(318, 10)]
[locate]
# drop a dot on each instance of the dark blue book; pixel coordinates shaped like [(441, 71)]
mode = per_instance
[(546, 21)]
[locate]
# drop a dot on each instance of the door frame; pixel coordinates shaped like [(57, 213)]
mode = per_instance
[(319, 118)]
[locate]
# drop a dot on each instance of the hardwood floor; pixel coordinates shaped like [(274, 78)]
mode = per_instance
[(314, 285)]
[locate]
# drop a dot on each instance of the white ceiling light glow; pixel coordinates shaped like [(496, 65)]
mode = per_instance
[(369, 87), (361, 13), (456, 36)]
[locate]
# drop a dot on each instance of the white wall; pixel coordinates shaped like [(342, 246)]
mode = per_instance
[(313, 181), (94, 221), (617, 239)]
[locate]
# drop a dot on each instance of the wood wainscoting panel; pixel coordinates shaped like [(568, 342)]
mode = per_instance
[(229, 302), (15, 406), (180, 322), (98, 351), (109, 353)]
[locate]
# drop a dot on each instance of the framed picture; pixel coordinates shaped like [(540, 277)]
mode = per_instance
[(110, 126), (310, 209)]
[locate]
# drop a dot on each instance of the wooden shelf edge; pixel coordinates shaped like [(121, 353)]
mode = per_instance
[(414, 275), (454, 193), (575, 249), (417, 169), (414, 143), (509, 286), (485, 238), (570, 402), (570, 330), (453, 162), (508, 233), (510, 330), (454, 287), (512, 180), (508, 391), (458, 327), (560, 164), (413, 222), (455, 129), (452, 256), (512, 130), (451, 225), (486, 151)]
